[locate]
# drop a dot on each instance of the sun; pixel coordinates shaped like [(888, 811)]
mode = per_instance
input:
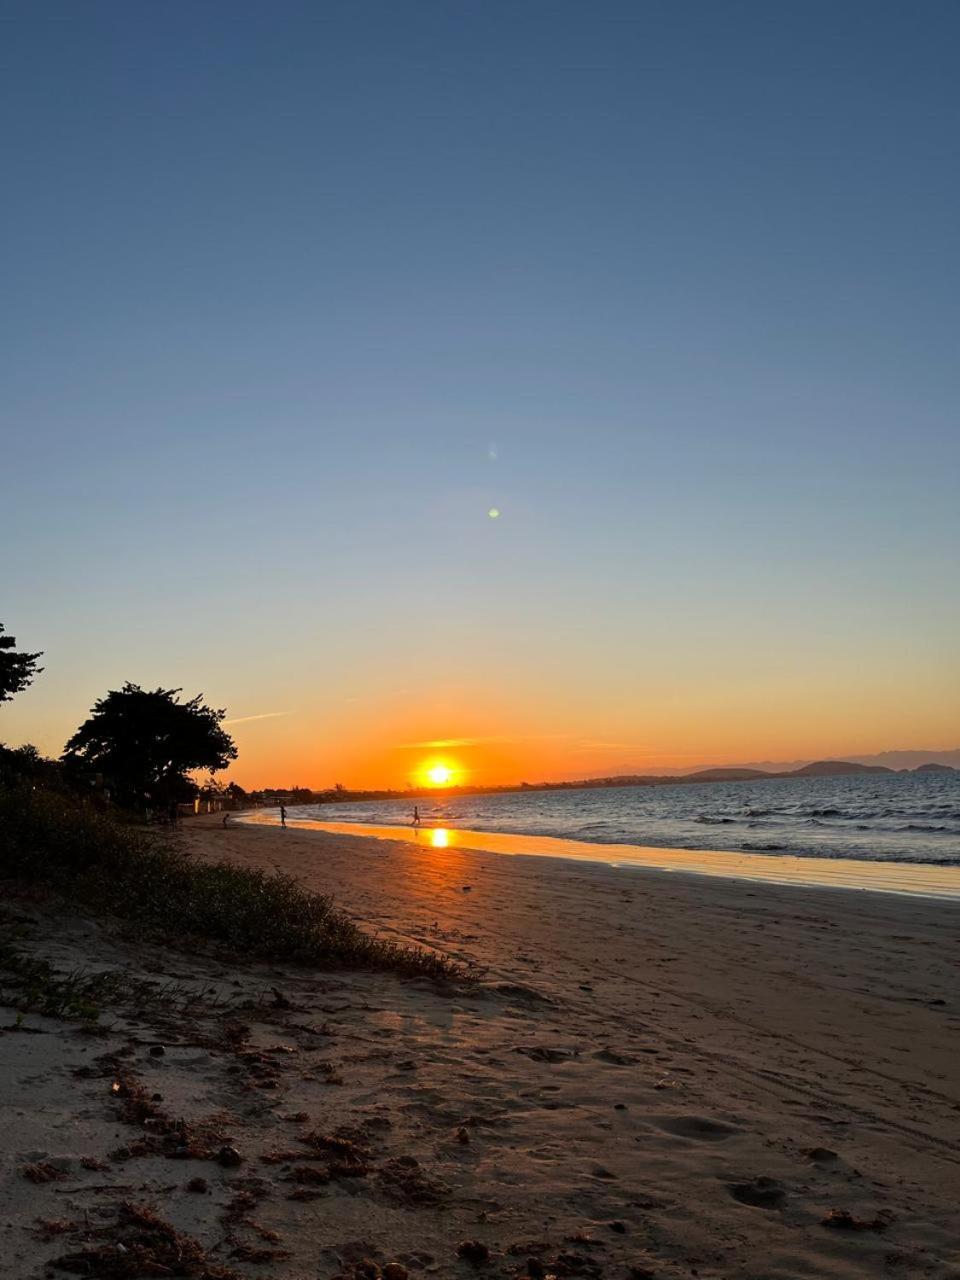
[(439, 774)]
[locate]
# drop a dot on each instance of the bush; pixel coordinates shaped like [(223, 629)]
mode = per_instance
[(53, 838)]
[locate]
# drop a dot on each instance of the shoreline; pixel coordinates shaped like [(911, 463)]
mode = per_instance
[(927, 880)]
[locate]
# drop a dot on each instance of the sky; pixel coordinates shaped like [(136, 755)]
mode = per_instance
[(296, 294)]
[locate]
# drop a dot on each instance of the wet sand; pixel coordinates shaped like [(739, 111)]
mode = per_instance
[(927, 880)]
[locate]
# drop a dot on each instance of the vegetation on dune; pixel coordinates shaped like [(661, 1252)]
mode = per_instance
[(53, 838)]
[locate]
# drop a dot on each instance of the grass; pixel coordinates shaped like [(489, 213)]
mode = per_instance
[(35, 986), (54, 839)]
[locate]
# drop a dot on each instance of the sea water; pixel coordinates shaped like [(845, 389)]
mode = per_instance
[(900, 817)]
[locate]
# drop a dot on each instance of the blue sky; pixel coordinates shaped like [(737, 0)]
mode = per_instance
[(280, 279)]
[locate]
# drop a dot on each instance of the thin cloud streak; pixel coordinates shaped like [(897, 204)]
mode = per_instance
[(441, 744), (264, 715)]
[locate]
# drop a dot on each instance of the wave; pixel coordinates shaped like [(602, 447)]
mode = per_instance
[(903, 818)]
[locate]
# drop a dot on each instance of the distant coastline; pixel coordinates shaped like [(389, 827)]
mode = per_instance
[(817, 769)]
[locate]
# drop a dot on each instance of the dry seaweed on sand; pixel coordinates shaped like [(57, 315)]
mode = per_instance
[(41, 1172), (139, 1244), (404, 1179)]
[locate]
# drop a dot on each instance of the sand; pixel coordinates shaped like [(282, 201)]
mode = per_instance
[(659, 1075)]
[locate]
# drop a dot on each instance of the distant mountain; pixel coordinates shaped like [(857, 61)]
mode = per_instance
[(911, 759), (892, 760), (835, 768), (934, 768), (818, 769)]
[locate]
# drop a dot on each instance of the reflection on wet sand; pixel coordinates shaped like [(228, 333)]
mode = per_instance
[(921, 879)]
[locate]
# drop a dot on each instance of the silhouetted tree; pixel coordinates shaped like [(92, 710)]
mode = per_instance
[(26, 764), (145, 742), (17, 670)]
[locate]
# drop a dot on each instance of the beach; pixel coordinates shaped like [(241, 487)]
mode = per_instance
[(656, 1075)]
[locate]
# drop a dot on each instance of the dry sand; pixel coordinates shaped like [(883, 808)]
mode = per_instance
[(660, 1074)]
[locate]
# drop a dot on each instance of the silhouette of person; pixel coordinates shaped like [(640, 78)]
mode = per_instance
[(283, 816), (416, 815)]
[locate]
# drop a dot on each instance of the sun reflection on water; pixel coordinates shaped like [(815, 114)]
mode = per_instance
[(439, 838)]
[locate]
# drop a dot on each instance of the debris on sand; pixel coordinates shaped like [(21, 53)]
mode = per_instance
[(41, 1172), (844, 1220), (139, 1244), (404, 1180), (253, 1253)]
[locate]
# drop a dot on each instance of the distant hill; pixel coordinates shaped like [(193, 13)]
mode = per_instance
[(934, 768), (818, 769), (834, 768), (897, 761)]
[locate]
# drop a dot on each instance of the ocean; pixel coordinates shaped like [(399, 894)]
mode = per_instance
[(902, 817)]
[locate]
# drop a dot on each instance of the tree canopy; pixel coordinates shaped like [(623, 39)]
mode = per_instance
[(146, 742), (17, 670)]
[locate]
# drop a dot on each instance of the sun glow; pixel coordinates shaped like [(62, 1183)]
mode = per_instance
[(437, 773)]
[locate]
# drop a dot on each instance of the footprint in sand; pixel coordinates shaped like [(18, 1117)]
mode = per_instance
[(760, 1193), (699, 1128)]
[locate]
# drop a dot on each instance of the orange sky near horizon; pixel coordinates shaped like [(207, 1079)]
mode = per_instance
[(391, 746), (538, 727), (370, 708)]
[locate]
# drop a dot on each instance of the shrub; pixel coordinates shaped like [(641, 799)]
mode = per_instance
[(53, 838)]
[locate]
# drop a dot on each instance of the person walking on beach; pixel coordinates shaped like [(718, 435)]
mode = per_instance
[(283, 815), (416, 815)]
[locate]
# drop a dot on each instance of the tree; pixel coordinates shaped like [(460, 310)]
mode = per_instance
[(26, 764), (17, 670), (145, 742)]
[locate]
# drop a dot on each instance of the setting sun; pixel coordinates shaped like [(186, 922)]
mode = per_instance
[(439, 775)]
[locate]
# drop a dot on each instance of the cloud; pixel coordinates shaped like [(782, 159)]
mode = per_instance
[(637, 748), (264, 715), (443, 744)]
